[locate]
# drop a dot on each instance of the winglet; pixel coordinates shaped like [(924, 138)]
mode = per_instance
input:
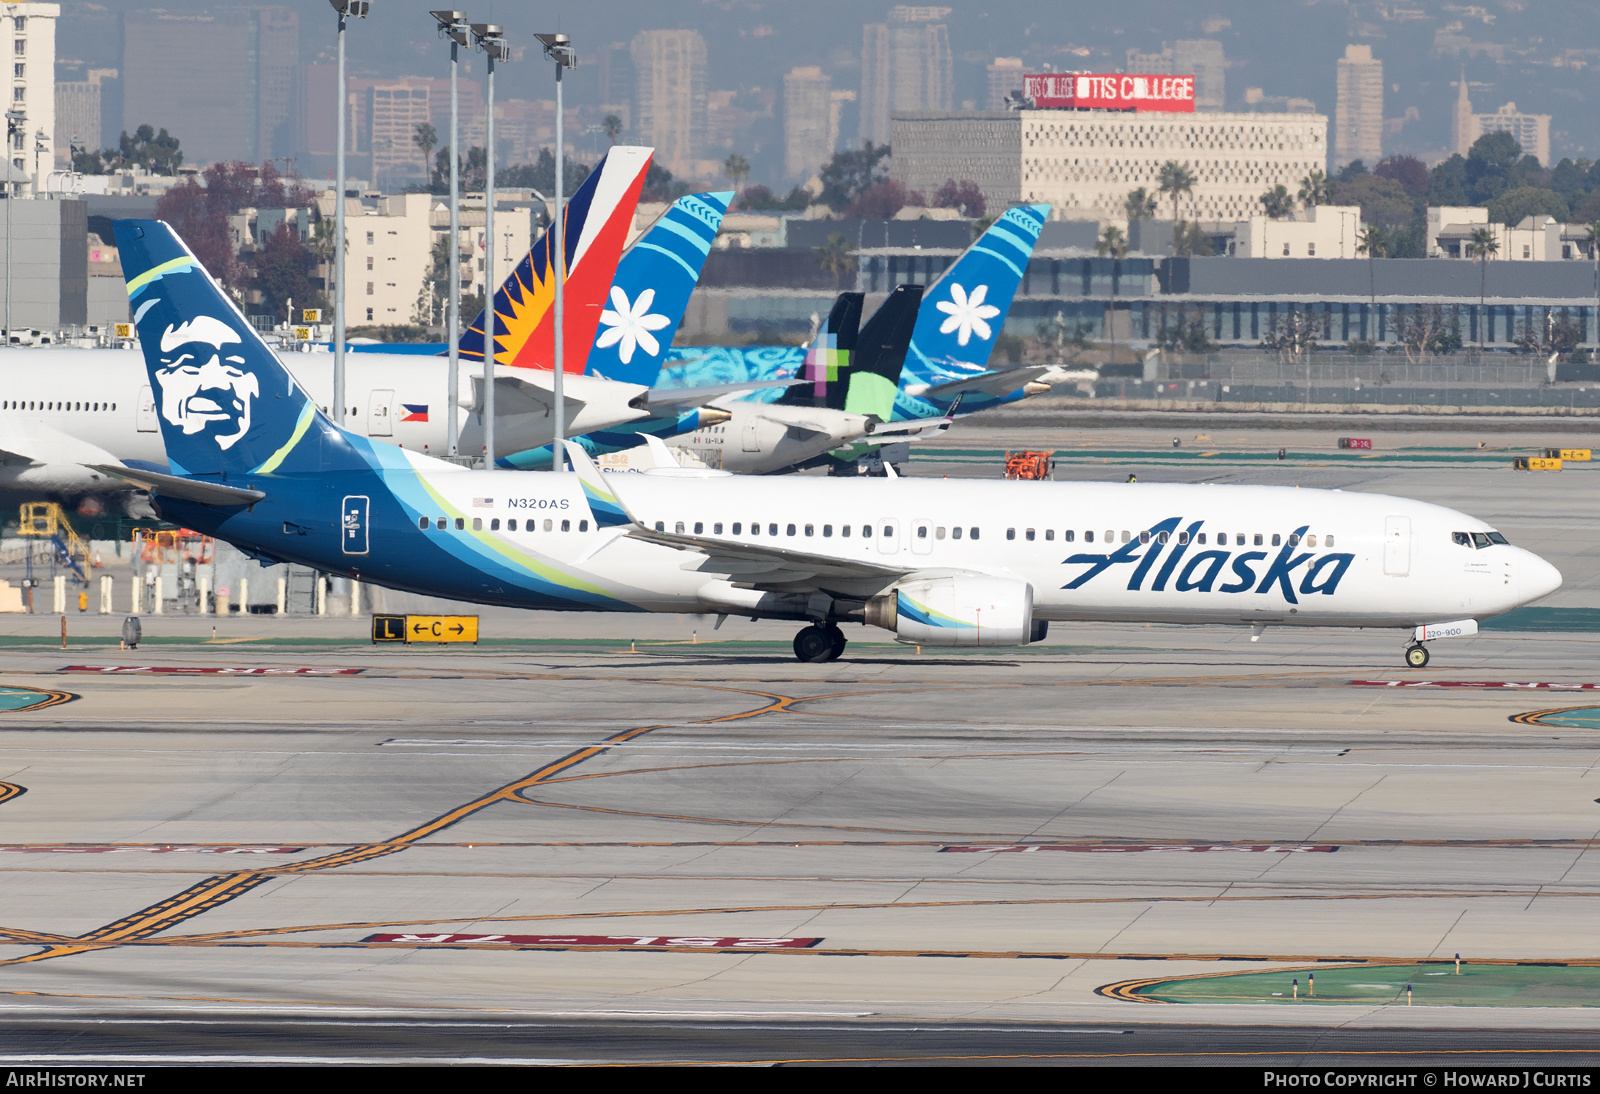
[(607, 508), (660, 452)]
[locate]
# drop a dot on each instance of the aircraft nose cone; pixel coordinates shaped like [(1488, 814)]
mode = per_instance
[(1536, 578)]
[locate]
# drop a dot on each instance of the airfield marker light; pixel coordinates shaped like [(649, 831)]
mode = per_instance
[(1408, 995), (1297, 987), (1311, 983), (1458, 964)]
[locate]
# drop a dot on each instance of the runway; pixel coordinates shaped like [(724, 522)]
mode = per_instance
[(630, 842)]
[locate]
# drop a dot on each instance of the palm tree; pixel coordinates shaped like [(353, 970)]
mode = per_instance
[(1315, 189), (835, 257), (1139, 205), (1277, 202), (1374, 243), (425, 138), (1112, 242), (1175, 178), (611, 125), (737, 168), (1483, 246)]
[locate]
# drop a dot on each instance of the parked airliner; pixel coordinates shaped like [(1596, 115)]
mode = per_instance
[(935, 562)]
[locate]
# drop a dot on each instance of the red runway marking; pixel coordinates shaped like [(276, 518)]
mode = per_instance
[(199, 670), (600, 940), (1136, 847), (110, 849), (1511, 685)]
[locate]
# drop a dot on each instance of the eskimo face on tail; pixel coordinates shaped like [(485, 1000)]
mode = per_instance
[(205, 388)]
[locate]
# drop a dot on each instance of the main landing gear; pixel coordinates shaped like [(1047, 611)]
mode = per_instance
[(1417, 656), (818, 643)]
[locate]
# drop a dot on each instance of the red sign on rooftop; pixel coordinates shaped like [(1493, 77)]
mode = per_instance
[(1110, 91)]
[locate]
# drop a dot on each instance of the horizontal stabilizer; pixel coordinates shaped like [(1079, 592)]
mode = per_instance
[(671, 398), (514, 395), (200, 491), (994, 382)]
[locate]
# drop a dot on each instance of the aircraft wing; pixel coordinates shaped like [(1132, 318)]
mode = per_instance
[(514, 395), (664, 399), (175, 486), (813, 428), (994, 382), (38, 443), (761, 566)]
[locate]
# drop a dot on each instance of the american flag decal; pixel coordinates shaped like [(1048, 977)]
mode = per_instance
[(483, 503)]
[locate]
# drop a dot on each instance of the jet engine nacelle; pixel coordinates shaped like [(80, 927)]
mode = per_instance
[(957, 610)]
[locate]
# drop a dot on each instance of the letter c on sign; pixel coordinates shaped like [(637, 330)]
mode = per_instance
[(1127, 88)]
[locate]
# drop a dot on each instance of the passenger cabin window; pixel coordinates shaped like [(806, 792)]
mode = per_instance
[(716, 529), (1011, 533), (1276, 539), (844, 531), (660, 526), (1258, 539), (772, 529), (566, 526), (938, 533), (1028, 535), (1125, 536), (811, 529), (827, 531), (955, 533), (972, 533), (1088, 537), (699, 528), (866, 531), (477, 524), (1144, 537), (677, 528), (790, 530), (922, 531), (1050, 534), (461, 524), (737, 526), (1311, 540), (1294, 540), (549, 524), (511, 525), (755, 529), (422, 523), (583, 526)]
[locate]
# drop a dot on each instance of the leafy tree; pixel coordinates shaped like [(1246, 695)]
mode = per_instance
[(283, 269), (659, 185), (1555, 336), (1447, 182), (1186, 337), (1350, 171), (1492, 166), (848, 175), (1524, 201), (1292, 336), (1277, 202), (1070, 339), (541, 176), (1408, 171), (1383, 201), (885, 200), (963, 196), (759, 198), (158, 153), (1426, 329), (835, 256), (426, 138), (85, 162), (611, 125), (204, 227)]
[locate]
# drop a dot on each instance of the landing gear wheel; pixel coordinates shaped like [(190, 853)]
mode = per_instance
[(815, 645), (837, 641), (1417, 656)]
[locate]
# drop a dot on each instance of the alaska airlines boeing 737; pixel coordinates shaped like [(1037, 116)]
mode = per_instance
[(936, 562)]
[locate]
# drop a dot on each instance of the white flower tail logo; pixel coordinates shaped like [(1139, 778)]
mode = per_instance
[(631, 324), (968, 314)]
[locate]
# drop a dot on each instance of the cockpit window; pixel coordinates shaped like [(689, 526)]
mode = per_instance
[(1496, 537), (1461, 539), (1480, 540)]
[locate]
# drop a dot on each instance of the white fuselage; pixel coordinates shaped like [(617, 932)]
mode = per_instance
[(1358, 560)]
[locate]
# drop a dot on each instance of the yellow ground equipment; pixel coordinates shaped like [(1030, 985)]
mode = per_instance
[(47, 520)]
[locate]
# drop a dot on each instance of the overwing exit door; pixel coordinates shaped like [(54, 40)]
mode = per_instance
[(1397, 546), (353, 525)]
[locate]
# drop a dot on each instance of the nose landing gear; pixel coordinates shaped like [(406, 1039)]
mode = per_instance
[(1417, 656), (819, 643)]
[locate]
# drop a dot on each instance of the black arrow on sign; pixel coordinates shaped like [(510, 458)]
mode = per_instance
[(458, 628)]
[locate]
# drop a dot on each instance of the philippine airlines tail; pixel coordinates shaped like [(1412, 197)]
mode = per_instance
[(597, 221), (228, 408)]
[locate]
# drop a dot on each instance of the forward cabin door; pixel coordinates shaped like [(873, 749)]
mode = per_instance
[(1397, 546), (888, 536), (380, 422), (147, 412)]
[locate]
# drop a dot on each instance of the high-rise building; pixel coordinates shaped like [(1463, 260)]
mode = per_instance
[(807, 113), (670, 95), (1532, 131), (1358, 111), (394, 110), (841, 117), (1005, 76), (905, 65), (1461, 121), (1201, 58), (78, 114), (232, 96), (32, 30)]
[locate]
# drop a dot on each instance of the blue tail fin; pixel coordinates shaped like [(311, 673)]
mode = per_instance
[(651, 289), (227, 405), (963, 311)]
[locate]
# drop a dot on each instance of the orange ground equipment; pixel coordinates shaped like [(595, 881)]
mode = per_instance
[(1030, 465)]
